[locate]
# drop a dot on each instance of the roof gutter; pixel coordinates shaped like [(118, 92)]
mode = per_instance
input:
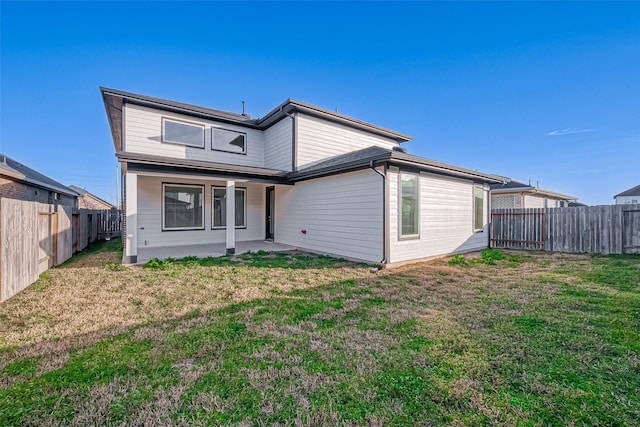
[(452, 172)]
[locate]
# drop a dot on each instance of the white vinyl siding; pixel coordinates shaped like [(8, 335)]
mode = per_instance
[(446, 219), (143, 135), (278, 145), (149, 218), (319, 139), (340, 215), (531, 201), (625, 200)]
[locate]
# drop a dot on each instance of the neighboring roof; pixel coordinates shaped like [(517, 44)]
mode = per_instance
[(17, 170), (576, 204), (115, 99), (520, 187), (635, 191), (83, 192), (375, 155)]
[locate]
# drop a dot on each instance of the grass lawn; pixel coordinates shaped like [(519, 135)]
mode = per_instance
[(508, 338)]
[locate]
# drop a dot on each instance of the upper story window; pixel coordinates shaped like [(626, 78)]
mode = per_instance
[(178, 132), (228, 140)]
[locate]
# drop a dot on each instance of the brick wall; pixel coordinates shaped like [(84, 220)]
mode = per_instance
[(88, 202), (18, 190)]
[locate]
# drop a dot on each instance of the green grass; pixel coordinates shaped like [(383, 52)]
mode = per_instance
[(259, 259), (509, 339)]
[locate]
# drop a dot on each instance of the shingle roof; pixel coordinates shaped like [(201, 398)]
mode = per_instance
[(635, 191), (83, 192), (517, 186), (15, 169), (364, 158)]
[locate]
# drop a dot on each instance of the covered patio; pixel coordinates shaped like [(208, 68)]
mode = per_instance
[(208, 250)]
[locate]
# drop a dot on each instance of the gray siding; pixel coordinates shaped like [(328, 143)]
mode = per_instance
[(446, 219), (342, 215), (278, 145), (319, 140)]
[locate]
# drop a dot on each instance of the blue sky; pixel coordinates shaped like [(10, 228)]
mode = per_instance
[(546, 92)]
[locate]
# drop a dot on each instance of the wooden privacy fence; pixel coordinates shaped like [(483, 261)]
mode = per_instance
[(36, 236), (608, 229)]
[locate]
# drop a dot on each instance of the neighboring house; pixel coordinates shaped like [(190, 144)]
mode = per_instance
[(632, 195), (87, 200), (576, 205), (18, 181), (516, 194), (301, 175)]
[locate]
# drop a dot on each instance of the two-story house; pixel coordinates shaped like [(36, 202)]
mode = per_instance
[(301, 176)]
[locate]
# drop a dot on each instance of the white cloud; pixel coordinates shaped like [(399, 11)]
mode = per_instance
[(569, 131)]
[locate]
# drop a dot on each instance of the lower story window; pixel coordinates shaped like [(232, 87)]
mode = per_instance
[(478, 207), (409, 214), (183, 207), (219, 217)]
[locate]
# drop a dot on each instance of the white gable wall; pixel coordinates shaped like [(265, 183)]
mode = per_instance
[(446, 219), (341, 214), (143, 135), (278, 145), (318, 139)]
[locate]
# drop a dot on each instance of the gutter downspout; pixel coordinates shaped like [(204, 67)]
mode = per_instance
[(384, 210), (293, 138)]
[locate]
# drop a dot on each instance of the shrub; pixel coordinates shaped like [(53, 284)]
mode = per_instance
[(115, 267), (157, 264), (490, 256), (458, 259)]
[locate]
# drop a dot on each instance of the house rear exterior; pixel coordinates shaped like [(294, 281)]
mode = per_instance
[(301, 176)]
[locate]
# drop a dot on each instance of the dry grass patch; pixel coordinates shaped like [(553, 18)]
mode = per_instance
[(502, 338)]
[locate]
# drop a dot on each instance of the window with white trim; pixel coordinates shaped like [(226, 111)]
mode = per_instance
[(183, 207), (228, 140), (409, 205), (177, 132), (219, 211), (478, 207)]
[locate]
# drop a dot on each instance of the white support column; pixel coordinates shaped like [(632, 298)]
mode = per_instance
[(131, 230), (231, 217)]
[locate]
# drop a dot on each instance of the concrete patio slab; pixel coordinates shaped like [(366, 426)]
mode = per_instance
[(207, 250)]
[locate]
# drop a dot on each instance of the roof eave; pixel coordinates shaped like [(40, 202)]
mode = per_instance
[(444, 168), (534, 190), (291, 105), (201, 165)]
